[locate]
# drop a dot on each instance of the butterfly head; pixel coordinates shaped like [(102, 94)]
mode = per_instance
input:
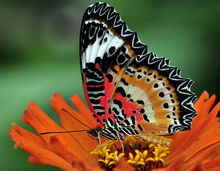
[(95, 132)]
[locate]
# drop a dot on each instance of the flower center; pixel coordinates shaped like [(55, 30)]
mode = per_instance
[(139, 153)]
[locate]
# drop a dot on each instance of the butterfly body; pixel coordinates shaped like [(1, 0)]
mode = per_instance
[(128, 89)]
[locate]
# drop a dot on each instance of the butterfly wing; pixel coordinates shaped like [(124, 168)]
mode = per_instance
[(152, 98), (135, 91), (104, 53), (146, 94)]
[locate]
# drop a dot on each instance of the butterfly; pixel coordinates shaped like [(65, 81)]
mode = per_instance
[(129, 90)]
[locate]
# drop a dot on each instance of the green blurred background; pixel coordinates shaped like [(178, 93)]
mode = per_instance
[(39, 42)]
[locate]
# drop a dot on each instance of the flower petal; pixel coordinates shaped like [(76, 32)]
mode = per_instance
[(183, 140), (81, 139), (28, 135), (84, 112), (34, 160), (40, 153)]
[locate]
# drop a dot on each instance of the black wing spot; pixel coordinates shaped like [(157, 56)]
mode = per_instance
[(140, 127), (109, 111), (121, 90), (139, 77), (145, 118), (119, 103), (156, 85), (115, 111), (161, 94), (133, 120), (121, 59), (168, 88), (142, 110), (100, 33), (126, 122), (112, 50), (140, 102), (166, 105), (124, 82), (110, 77)]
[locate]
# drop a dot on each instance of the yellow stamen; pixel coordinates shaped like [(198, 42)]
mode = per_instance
[(141, 155)]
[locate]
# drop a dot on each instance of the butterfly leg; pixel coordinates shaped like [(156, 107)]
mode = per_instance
[(99, 139), (122, 146)]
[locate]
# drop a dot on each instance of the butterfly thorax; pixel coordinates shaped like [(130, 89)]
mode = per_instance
[(94, 132)]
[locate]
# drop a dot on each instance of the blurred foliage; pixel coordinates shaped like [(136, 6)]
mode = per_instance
[(39, 42)]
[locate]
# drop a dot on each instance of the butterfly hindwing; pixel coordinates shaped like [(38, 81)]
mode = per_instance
[(153, 97)]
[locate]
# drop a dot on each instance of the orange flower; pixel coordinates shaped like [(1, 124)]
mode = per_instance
[(196, 149)]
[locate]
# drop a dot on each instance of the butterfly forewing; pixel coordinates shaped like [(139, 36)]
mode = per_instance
[(104, 55), (128, 89)]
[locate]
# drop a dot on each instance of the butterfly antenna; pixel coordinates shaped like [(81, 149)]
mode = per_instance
[(75, 118), (56, 132)]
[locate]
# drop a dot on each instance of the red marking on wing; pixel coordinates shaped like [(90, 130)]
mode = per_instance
[(129, 107), (109, 89)]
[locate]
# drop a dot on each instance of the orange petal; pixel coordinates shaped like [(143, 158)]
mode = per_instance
[(34, 160), (28, 135), (201, 99), (85, 113), (59, 148), (211, 163), (41, 154), (81, 139), (179, 137), (40, 122), (202, 129)]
